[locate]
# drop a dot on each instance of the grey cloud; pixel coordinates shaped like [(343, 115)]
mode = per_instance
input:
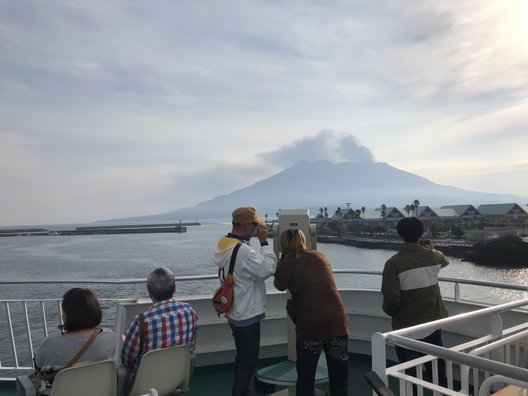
[(222, 178), (327, 145)]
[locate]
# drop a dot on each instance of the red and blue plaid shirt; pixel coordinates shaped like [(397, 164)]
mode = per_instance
[(167, 323)]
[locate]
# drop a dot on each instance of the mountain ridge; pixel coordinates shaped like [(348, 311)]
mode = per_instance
[(315, 184)]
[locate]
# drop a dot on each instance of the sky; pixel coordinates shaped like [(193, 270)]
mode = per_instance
[(128, 108)]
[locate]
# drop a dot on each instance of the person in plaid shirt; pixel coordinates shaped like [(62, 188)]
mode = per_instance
[(167, 323)]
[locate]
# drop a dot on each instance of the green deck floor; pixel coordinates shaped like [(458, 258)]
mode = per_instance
[(207, 380), (217, 380), (7, 388)]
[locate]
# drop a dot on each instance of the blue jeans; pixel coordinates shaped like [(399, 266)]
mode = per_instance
[(336, 351), (247, 342)]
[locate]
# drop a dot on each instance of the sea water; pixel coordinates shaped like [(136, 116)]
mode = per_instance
[(127, 256)]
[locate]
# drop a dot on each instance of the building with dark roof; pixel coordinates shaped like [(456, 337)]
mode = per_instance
[(506, 209), (463, 210)]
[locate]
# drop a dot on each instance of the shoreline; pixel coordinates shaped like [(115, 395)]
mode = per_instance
[(460, 249)]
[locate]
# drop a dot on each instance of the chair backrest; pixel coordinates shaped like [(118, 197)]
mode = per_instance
[(166, 370), (87, 379)]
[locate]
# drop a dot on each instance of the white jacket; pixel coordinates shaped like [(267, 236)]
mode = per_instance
[(251, 270)]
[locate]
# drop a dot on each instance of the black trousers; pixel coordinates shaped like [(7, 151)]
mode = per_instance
[(247, 342), (336, 351), (404, 355)]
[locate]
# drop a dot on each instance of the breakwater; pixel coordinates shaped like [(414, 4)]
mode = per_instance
[(102, 230), (24, 232)]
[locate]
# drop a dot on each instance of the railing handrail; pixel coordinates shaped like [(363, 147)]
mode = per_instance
[(483, 364), (99, 281), (212, 277), (47, 300), (452, 320), (402, 338), (443, 279), (483, 283)]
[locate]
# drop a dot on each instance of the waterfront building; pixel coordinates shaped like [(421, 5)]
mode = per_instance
[(502, 210), (463, 211)]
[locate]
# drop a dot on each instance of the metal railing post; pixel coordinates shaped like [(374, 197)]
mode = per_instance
[(11, 333), (496, 328), (379, 355), (28, 329)]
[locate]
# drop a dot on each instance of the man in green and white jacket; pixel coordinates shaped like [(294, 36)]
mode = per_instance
[(411, 294)]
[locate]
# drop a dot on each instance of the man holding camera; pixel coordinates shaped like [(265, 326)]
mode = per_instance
[(251, 269), (411, 294)]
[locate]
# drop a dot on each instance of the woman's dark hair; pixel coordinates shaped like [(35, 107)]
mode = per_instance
[(82, 309)]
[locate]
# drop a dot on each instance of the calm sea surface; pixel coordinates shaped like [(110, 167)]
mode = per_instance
[(190, 253)]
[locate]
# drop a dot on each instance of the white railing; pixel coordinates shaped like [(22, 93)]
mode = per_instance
[(494, 358), (24, 322), (456, 282), (509, 349)]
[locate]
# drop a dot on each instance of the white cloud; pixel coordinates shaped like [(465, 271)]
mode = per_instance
[(100, 96)]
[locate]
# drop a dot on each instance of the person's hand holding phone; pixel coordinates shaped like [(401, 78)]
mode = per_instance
[(427, 243)]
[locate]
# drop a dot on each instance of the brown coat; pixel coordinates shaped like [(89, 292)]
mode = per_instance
[(321, 312)]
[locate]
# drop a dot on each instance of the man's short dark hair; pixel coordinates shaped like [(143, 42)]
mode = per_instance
[(82, 309), (410, 229), (161, 283)]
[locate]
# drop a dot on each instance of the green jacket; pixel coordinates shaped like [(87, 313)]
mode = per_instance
[(411, 294)]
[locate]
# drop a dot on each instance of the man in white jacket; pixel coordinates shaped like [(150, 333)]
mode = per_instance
[(251, 269)]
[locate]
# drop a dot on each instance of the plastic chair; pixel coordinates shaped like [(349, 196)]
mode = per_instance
[(166, 370), (87, 379), (24, 386), (151, 392)]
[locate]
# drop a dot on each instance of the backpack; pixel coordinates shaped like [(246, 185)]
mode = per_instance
[(223, 296)]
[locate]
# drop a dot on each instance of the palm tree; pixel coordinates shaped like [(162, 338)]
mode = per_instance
[(358, 213), (326, 212), (383, 212), (266, 217), (407, 209), (412, 207), (363, 212), (348, 204), (321, 210), (416, 204)]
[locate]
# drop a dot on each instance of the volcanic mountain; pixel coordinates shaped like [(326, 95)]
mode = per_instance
[(323, 184)]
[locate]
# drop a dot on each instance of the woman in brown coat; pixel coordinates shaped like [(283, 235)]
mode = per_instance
[(322, 322)]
